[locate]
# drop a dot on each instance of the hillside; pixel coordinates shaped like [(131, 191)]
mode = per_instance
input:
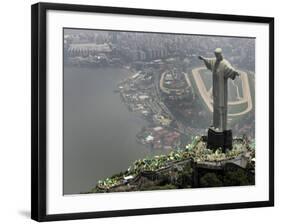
[(195, 166)]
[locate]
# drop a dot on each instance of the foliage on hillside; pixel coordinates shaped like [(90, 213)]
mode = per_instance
[(196, 152)]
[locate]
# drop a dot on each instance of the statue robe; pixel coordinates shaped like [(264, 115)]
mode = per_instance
[(222, 70)]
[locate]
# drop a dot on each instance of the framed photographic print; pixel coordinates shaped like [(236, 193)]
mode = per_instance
[(139, 111)]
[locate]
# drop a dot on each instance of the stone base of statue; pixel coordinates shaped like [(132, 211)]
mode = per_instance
[(218, 139)]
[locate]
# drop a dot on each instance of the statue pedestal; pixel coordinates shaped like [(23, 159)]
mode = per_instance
[(218, 139)]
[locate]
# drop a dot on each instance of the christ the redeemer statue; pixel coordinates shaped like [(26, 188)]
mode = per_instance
[(222, 71)]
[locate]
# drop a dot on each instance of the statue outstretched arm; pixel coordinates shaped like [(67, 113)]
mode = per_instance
[(209, 62), (230, 72), (236, 73)]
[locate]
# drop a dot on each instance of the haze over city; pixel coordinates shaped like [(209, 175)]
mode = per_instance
[(128, 95)]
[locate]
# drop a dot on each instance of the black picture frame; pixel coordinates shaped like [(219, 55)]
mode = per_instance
[(38, 108)]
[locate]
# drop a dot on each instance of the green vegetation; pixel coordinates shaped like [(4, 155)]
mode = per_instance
[(176, 169), (237, 178), (210, 180), (157, 187), (234, 177)]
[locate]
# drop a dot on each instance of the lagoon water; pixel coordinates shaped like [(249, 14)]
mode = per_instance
[(99, 130)]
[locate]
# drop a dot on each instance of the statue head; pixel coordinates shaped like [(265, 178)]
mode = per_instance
[(218, 54)]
